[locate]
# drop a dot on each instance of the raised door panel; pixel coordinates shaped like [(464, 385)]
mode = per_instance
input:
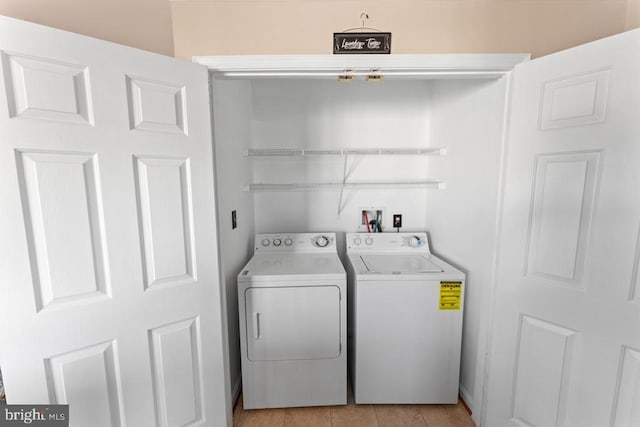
[(542, 373), (88, 380), (176, 361), (293, 323), (65, 228), (166, 220), (574, 101), (634, 285), (156, 106), (627, 399), (46, 89), (562, 207)]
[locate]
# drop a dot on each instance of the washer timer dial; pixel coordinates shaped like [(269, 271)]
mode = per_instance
[(266, 242), (415, 241)]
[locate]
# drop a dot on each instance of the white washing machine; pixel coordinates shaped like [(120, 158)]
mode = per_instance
[(292, 306), (405, 320)]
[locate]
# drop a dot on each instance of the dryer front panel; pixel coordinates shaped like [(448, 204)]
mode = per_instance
[(292, 323)]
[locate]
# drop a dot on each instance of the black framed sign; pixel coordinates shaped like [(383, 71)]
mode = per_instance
[(350, 43)]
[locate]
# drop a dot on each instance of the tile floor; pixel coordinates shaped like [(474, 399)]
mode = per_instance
[(353, 415)]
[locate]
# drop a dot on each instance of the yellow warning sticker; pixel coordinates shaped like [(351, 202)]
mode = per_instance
[(450, 295)]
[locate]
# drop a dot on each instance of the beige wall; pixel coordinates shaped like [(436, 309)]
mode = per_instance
[(417, 26), (145, 24), (633, 14), (262, 26)]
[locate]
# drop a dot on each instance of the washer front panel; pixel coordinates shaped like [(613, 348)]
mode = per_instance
[(407, 351)]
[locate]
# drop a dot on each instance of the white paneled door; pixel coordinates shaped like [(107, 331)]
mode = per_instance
[(565, 345), (109, 288)]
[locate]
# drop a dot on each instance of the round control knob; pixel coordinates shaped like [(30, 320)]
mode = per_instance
[(357, 241), (368, 241), (322, 241), (415, 241), (288, 242), (266, 242), (277, 242)]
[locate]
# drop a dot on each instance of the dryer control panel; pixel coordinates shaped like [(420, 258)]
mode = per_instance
[(296, 242), (388, 242)]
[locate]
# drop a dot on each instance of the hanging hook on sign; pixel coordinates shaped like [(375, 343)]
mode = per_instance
[(363, 16)]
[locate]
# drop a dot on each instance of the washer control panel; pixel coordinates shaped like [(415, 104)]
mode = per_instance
[(296, 242), (387, 242)]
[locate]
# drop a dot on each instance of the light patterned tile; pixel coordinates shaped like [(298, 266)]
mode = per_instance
[(262, 418), (399, 416), (318, 416), (446, 416), (353, 416)]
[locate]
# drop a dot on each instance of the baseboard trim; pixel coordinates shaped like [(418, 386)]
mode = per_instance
[(466, 399), (235, 391)]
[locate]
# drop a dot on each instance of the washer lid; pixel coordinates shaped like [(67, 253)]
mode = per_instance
[(398, 264)]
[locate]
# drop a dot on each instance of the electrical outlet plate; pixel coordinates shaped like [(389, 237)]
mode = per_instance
[(397, 221), (373, 212)]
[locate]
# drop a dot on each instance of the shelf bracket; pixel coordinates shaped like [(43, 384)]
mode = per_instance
[(344, 181)]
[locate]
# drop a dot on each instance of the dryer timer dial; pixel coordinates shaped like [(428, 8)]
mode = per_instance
[(321, 241)]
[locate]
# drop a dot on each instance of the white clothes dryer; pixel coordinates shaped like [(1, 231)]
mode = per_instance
[(405, 320), (292, 309)]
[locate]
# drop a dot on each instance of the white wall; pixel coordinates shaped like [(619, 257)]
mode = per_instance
[(329, 114), (232, 135), (468, 117)]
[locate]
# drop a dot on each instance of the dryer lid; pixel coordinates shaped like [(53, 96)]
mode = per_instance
[(399, 264), (292, 266)]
